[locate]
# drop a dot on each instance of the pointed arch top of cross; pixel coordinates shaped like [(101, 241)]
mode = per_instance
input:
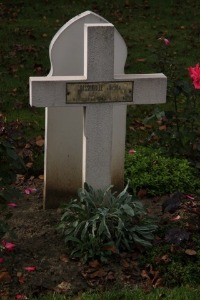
[(67, 47)]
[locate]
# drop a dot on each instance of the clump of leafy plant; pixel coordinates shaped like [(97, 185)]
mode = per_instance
[(99, 223), (150, 169)]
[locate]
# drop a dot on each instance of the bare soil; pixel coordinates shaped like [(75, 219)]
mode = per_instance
[(39, 244)]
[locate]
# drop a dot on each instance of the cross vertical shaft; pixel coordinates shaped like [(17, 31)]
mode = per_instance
[(98, 118)]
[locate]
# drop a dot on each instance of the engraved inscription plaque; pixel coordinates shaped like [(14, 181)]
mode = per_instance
[(101, 92)]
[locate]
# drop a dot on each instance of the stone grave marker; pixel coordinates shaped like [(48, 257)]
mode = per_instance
[(86, 95)]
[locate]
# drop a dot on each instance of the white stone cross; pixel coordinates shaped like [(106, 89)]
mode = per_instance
[(86, 107)]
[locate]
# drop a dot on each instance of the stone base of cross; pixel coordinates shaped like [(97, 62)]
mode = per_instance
[(86, 110)]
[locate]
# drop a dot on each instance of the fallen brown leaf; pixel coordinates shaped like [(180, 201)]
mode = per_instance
[(144, 274), (142, 193), (110, 276), (158, 283), (4, 276), (148, 126), (21, 277), (150, 269), (141, 59), (94, 263), (190, 252), (63, 287), (27, 146), (64, 258), (39, 137), (111, 248), (126, 4), (125, 263), (40, 143), (29, 165), (156, 277), (163, 259), (162, 127), (19, 178), (100, 273)]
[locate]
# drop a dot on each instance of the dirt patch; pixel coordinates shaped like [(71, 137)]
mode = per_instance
[(39, 244)]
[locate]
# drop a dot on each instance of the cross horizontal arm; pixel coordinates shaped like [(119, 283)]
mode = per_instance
[(148, 88), (50, 91)]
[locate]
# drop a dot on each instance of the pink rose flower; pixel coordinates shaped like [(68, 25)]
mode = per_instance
[(195, 75)]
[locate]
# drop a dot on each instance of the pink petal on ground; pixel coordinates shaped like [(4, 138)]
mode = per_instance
[(176, 218), (191, 197), (1, 260), (8, 246), (12, 205), (167, 42), (29, 191), (30, 269), (132, 151), (19, 297)]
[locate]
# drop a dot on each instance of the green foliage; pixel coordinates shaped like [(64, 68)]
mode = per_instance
[(180, 118), (179, 269), (180, 136), (10, 162), (98, 223), (150, 169), (178, 293)]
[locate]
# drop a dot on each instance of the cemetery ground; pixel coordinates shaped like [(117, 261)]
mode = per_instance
[(40, 264), (38, 245)]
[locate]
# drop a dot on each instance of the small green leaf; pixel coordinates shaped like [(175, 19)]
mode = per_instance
[(72, 239), (84, 230), (129, 211), (141, 241)]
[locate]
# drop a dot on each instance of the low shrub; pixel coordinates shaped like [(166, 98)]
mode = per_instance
[(150, 169), (99, 223), (175, 266)]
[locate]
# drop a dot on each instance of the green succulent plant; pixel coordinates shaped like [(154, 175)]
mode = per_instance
[(98, 223)]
